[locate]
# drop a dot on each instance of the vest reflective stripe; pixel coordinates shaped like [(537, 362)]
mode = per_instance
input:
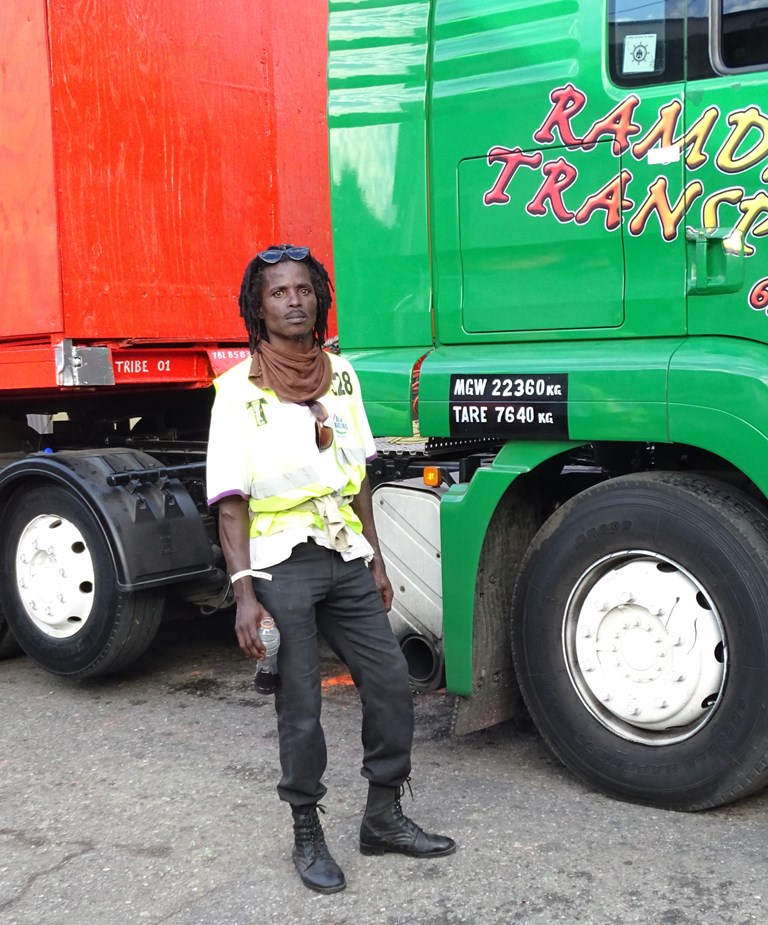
[(265, 523), (299, 480), (353, 455), (284, 484)]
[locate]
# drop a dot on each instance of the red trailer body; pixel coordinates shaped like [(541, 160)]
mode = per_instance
[(147, 149)]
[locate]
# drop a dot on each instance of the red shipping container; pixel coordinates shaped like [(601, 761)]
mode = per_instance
[(147, 149)]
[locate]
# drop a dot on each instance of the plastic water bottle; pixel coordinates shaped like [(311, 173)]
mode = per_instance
[(265, 681)]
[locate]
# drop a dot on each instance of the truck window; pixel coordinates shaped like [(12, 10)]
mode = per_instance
[(648, 44), (699, 63), (645, 42), (743, 34)]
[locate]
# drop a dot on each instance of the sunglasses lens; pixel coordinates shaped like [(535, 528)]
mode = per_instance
[(274, 254), (324, 436), (270, 256), (323, 433)]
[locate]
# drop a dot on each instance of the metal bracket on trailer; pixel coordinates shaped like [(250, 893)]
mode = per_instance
[(81, 365)]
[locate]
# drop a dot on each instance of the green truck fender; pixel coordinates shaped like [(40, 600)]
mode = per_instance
[(465, 516), (718, 401)]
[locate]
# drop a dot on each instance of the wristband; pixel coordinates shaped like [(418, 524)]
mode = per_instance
[(247, 571)]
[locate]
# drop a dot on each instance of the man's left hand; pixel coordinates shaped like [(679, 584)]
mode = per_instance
[(379, 573)]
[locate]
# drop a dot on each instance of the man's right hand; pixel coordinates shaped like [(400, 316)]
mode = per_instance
[(250, 613), (234, 534)]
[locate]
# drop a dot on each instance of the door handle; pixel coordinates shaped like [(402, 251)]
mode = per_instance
[(715, 260)]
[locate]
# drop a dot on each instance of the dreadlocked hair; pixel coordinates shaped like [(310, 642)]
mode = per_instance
[(250, 296)]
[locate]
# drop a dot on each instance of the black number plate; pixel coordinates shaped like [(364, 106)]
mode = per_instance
[(509, 405)]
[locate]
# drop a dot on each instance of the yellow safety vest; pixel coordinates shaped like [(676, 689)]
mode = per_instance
[(289, 481)]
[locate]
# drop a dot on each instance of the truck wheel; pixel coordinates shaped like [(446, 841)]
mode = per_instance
[(640, 639), (60, 596)]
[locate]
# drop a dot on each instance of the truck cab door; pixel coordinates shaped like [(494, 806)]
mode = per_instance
[(727, 281), (646, 61), (558, 192)]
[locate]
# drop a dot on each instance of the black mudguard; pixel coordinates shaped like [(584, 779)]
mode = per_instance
[(152, 525)]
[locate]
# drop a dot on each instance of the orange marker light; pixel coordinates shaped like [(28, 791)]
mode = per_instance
[(431, 476)]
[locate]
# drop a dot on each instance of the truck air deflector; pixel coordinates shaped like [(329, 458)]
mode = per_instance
[(386, 380), (377, 115)]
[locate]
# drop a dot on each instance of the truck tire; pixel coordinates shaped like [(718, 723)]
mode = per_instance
[(640, 639), (8, 645), (60, 596)]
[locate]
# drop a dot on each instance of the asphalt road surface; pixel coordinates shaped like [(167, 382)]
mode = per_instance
[(149, 798)]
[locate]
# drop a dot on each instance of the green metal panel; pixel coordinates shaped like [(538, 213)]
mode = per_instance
[(718, 400), (732, 168), (385, 381), (377, 79), (510, 259), (615, 390), (559, 203)]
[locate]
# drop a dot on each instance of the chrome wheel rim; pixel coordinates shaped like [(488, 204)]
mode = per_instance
[(55, 576), (645, 647)]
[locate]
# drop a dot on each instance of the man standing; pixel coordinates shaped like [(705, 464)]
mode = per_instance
[(287, 459)]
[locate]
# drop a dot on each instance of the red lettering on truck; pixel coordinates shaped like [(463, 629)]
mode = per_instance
[(745, 147), (558, 176), (511, 159), (567, 102), (669, 216), (618, 123), (611, 198)]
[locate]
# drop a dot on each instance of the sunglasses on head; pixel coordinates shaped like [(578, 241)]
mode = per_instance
[(323, 433), (275, 254)]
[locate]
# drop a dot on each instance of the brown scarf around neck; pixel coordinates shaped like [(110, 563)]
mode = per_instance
[(296, 377)]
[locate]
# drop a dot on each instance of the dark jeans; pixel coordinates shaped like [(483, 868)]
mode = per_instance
[(316, 590)]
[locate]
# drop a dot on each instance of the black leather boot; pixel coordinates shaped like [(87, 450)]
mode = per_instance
[(386, 828), (311, 856)]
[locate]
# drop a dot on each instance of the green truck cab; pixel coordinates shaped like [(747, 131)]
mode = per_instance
[(548, 221)]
